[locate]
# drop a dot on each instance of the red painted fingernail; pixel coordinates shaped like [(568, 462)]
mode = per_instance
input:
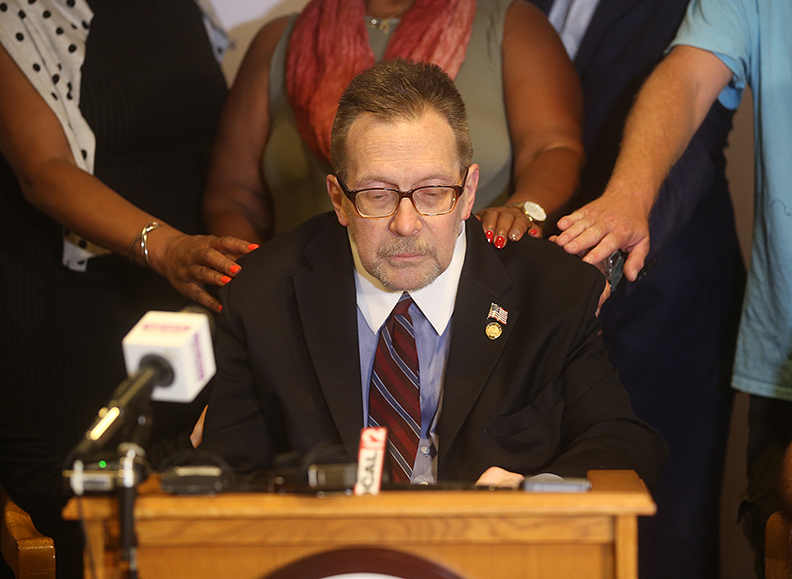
[(500, 241), (220, 308), (253, 246), (235, 268), (489, 235), (533, 233), (225, 279)]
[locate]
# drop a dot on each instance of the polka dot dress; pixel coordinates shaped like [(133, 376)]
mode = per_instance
[(46, 38)]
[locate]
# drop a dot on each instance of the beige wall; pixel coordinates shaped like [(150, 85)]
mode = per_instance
[(243, 24), (736, 558), (739, 157)]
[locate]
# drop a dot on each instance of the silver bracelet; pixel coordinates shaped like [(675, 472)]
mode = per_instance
[(144, 240)]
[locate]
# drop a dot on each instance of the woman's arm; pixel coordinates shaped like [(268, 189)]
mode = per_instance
[(35, 146), (237, 200), (544, 108)]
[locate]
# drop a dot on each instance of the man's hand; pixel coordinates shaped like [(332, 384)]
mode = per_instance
[(502, 224), (495, 476), (614, 221), (670, 107)]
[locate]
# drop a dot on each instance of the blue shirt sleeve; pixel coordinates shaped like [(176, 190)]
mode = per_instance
[(728, 29)]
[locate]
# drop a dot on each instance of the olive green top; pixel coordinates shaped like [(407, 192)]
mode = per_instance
[(296, 177)]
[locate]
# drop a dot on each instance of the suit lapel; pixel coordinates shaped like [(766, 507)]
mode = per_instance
[(606, 12), (472, 355), (328, 313)]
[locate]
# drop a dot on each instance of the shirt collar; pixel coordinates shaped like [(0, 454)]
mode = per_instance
[(436, 301)]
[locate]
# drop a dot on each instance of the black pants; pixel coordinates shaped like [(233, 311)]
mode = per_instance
[(671, 337)]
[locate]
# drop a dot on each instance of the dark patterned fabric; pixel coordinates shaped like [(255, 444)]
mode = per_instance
[(395, 393)]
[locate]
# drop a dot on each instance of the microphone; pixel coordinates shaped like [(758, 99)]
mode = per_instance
[(181, 339), (169, 357)]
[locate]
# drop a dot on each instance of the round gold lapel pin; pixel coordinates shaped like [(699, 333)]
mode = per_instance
[(493, 330)]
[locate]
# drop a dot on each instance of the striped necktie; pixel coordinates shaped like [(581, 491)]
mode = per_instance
[(395, 392)]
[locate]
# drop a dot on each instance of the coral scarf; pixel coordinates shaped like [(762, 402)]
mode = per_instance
[(330, 45)]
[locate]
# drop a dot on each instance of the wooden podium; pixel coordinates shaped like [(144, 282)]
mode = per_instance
[(477, 534)]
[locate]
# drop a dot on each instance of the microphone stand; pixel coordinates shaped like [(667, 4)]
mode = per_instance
[(125, 474), (126, 503), (132, 472)]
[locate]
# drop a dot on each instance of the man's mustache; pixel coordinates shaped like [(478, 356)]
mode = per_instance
[(404, 245)]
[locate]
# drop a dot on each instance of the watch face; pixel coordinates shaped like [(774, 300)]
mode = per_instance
[(534, 211)]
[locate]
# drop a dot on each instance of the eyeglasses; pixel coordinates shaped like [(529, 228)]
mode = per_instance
[(429, 200)]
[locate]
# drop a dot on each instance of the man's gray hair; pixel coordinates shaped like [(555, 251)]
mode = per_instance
[(396, 90)]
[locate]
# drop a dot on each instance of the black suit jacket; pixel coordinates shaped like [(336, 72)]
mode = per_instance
[(542, 397)]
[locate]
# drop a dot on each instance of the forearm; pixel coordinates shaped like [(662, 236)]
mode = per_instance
[(238, 212), (549, 178), (237, 199), (543, 101), (669, 109), (83, 204)]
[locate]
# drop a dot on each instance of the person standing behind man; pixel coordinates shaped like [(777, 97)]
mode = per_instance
[(716, 54), (677, 380), (521, 95)]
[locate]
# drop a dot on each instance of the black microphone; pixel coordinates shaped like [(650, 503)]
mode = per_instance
[(153, 371)]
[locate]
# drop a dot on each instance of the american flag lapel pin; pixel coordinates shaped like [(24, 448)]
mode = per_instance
[(496, 319)]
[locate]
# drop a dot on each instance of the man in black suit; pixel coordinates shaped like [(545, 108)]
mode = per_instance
[(514, 379), (671, 333)]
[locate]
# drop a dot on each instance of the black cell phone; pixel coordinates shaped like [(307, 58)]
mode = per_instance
[(614, 268)]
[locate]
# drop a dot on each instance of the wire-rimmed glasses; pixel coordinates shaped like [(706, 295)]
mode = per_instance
[(429, 200)]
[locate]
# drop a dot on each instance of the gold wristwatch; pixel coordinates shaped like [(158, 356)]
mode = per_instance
[(533, 211)]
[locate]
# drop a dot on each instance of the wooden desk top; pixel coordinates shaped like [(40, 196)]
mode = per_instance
[(613, 493)]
